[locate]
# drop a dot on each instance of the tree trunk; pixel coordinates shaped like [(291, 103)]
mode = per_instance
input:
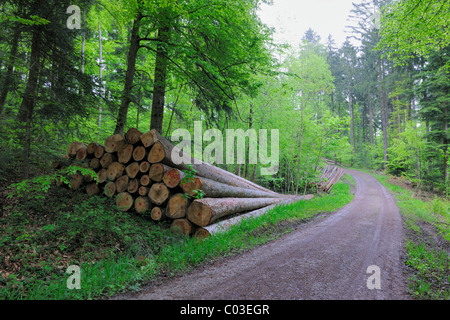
[(129, 76), (214, 189), (26, 109), (203, 169), (10, 67), (203, 212), (159, 90)]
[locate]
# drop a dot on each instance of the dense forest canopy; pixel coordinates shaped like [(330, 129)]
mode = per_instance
[(101, 67)]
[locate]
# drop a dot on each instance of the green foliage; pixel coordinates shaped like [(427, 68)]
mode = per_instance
[(37, 187)]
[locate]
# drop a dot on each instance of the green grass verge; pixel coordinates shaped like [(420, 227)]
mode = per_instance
[(117, 251), (427, 224)]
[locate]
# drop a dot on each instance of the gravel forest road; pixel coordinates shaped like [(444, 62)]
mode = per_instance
[(327, 259)]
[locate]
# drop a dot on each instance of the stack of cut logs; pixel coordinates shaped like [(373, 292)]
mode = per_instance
[(330, 176), (138, 170)]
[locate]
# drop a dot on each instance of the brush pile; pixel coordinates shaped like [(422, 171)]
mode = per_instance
[(138, 171)]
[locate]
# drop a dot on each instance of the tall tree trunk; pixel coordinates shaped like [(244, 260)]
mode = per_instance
[(100, 109), (371, 136), (10, 67), (384, 112), (159, 90), (29, 97), (129, 77)]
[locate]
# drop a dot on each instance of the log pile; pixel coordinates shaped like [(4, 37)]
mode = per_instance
[(138, 171), (330, 176)]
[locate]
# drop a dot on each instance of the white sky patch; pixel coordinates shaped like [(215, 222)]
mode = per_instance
[(291, 19)]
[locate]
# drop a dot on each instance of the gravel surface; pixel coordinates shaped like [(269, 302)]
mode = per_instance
[(324, 260)]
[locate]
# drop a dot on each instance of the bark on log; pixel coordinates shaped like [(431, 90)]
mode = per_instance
[(110, 189), (133, 135), (114, 142), (182, 226), (221, 226), (124, 201), (214, 189), (203, 212), (177, 206), (163, 152), (159, 194), (158, 214)]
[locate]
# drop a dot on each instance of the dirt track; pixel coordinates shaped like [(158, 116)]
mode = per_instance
[(327, 259)]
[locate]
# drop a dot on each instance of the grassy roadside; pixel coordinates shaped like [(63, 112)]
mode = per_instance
[(116, 251), (426, 219)]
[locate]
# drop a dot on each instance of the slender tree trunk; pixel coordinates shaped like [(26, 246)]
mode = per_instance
[(29, 98), (384, 113), (10, 68), (371, 136), (129, 77), (159, 90), (100, 109)]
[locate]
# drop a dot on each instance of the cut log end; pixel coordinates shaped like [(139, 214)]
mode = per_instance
[(199, 213), (142, 204), (201, 233), (182, 227), (157, 153), (110, 189), (157, 214), (124, 201), (177, 206), (159, 193)]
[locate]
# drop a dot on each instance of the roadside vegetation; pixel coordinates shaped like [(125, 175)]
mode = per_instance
[(426, 219), (43, 234)]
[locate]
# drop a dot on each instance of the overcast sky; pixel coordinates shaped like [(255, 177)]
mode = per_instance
[(291, 19)]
